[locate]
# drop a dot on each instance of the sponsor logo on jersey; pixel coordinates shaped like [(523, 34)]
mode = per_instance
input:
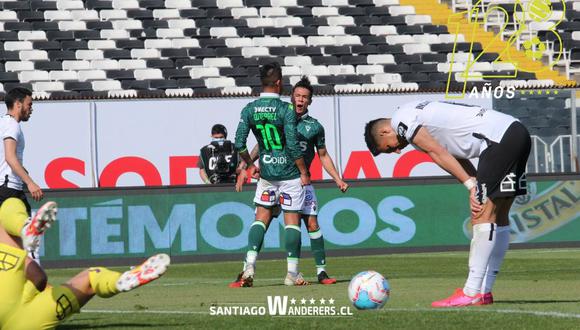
[(8, 261), (285, 199), (508, 184), (64, 307), (268, 196), (264, 109), (402, 130), (269, 159)]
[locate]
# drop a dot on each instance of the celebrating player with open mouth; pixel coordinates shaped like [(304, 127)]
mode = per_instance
[(451, 134)]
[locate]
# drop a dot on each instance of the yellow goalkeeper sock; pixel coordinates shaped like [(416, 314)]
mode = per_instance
[(13, 215), (104, 281)]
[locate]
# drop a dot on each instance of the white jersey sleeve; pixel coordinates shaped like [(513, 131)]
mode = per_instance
[(11, 129)]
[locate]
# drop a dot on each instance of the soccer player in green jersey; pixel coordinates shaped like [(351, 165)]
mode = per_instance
[(283, 172), (310, 138)]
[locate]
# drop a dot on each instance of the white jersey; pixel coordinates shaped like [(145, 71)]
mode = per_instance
[(462, 129), (10, 128)]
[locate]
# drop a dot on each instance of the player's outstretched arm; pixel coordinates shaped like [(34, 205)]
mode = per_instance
[(329, 167)]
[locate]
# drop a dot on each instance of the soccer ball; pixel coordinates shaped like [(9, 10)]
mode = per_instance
[(368, 290)]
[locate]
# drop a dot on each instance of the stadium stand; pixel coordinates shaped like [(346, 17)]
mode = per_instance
[(100, 48)]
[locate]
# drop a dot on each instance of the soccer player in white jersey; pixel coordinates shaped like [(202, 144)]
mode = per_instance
[(452, 134), (13, 176)]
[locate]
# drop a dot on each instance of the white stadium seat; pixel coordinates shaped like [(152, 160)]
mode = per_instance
[(381, 30), (244, 12), (89, 54), (11, 66), (292, 41), (411, 49), (347, 40), (217, 62), (165, 13), (266, 42), (380, 59), (112, 14), (315, 70), (85, 15), (381, 3), (340, 21), (181, 23), (337, 70), (283, 3), (223, 32), (8, 16), (33, 55), (200, 72), (106, 64), (76, 65), (145, 53), (324, 11), (184, 43), (90, 75), (239, 42), (58, 15), (106, 85), (130, 24), (425, 39), (335, 3), (18, 45), (157, 43), (133, 64), (369, 69), (48, 86), (255, 51), (273, 12), (401, 10), (287, 22), (451, 38), (35, 75), (222, 4), (143, 74), (32, 35), (220, 82), (101, 44), (417, 19), (72, 25), (125, 4), (331, 30), (63, 75), (399, 39), (320, 41), (291, 71), (297, 60), (178, 4), (69, 4), (386, 78), (169, 33), (115, 34), (254, 22)]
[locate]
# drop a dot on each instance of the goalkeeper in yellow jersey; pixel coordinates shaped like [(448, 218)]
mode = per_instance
[(28, 302)]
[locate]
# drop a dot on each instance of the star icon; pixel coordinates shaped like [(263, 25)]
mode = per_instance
[(322, 301), (303, 301), (331, 301), (293, 301), (312, 301)]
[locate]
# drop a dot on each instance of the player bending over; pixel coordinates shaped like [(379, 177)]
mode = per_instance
[(451, 134), (310, 138), (27, 301)]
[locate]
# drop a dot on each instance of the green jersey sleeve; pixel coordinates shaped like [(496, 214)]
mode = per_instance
[(320, 138), (242, 131), (290, 133)]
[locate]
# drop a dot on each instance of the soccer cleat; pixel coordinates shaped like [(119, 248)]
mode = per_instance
[(295, 280), (486, 299), (242, 282), (148, 271), (324, 279), (35, 227), (458, 299)]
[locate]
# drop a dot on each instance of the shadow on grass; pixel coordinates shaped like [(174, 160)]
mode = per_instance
[(522, 302)]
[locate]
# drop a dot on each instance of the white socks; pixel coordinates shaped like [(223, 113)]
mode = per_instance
[(482, 244), (292, 266), (251, 257), (497, 255)]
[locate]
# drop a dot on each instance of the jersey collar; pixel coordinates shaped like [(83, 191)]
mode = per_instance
[(304, 116), (269, 95)]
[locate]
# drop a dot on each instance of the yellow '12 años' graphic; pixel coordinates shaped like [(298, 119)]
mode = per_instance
[(528, 19)]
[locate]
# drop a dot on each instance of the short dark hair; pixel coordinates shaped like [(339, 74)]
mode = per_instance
[(370, 137), (16, 94), (270, 73), (304, 83), (219, 129)]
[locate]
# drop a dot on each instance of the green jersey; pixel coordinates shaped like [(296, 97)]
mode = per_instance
[(273, 123), (310, 135)]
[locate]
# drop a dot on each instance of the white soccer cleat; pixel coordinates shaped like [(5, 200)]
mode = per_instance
[(148, 271), (295, 280), (35, 227)]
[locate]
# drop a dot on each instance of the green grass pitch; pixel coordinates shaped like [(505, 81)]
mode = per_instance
[(537, 289)]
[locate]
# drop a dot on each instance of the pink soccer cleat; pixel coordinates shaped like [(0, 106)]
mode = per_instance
[(458, 299)]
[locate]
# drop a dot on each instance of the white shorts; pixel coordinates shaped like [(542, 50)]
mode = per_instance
[(288, 193), (310, 206)]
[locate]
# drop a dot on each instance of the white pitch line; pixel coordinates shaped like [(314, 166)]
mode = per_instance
[(421, 310)]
